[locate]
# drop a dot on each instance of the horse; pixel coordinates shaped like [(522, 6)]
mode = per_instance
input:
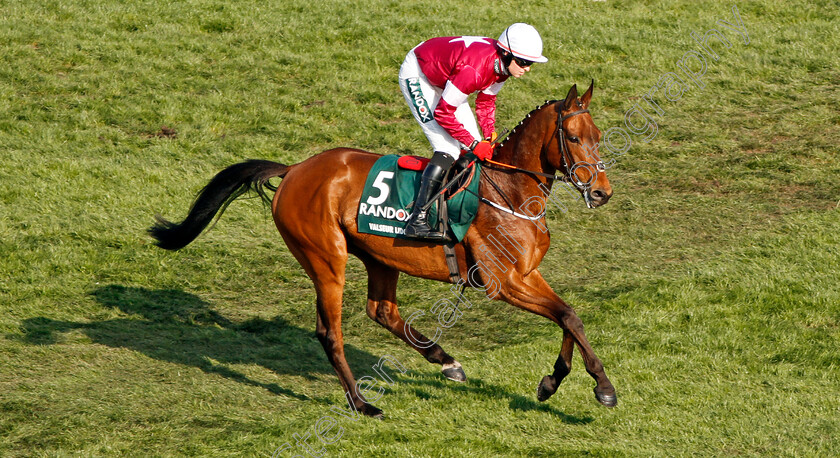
[(315, 207)]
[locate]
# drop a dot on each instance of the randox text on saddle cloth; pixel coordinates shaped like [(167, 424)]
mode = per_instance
[(388, 197)]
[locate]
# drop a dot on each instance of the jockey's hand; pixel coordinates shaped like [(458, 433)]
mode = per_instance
[(483, 150)]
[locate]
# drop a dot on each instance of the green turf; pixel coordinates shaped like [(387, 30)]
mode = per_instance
[(708, 284)]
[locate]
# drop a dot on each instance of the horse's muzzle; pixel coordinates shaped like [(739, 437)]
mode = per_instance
[(596, 197)]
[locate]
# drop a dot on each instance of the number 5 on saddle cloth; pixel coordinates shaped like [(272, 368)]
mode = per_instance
[(392, 185)]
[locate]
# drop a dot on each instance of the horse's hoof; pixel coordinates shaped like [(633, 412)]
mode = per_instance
[(546, 388), (454, 372), (609, 400), (372, 412)]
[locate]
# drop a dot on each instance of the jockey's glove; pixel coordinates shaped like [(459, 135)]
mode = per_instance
[(483, 150)]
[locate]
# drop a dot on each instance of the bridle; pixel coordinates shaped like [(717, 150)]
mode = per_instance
[(571, 176), (569, 165)]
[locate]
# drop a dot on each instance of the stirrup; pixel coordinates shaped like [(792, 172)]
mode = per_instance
[(424, 231), (429, 236)]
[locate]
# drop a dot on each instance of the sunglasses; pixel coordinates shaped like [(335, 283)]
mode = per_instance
[(522, 62)]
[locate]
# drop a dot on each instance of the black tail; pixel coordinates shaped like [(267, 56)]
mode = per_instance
[(226, 186)]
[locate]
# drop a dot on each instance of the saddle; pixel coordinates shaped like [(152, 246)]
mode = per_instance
[(392, 184), (453, 182)]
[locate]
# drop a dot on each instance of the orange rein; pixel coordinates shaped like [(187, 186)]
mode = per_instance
[(491, 161), (531, 172)]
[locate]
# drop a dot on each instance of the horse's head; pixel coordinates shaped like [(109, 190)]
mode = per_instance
[(573, 148), (566, 139)]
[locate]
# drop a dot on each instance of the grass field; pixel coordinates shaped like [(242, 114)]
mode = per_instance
[(708, 285)]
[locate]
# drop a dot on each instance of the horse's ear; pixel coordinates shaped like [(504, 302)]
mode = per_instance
[(587, 96), (570, 97)]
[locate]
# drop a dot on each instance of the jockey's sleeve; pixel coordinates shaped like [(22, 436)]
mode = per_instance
[(485, 108), (455, 93)]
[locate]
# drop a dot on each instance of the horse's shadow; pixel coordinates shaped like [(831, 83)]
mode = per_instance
[(178, 327), (476, 387)]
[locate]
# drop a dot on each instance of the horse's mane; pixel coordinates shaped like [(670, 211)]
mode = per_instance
[(527, 116)]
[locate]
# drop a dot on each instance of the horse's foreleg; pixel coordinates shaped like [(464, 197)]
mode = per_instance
[(382, 308), (532, 293)]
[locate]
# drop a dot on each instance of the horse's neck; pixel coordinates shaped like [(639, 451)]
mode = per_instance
[(524, 148), (524, 153)]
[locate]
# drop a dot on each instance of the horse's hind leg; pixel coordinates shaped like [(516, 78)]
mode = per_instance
[(382, 308), (325, 266)]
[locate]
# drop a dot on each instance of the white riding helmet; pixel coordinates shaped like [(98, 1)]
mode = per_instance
[(523, 41)]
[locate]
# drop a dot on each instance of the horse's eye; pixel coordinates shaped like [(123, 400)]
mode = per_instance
[(574, 139)]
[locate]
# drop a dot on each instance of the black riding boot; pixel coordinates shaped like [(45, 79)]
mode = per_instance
[(418, 223)]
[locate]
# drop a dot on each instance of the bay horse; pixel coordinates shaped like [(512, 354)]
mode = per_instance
[(315, 208)]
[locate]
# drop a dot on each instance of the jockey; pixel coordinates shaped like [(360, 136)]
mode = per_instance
[(436, 78)]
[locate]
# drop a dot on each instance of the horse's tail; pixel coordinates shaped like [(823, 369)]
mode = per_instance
[(227, 185)]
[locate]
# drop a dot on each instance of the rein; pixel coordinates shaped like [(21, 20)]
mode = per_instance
[(561, 139), (569, 177), (531, 172)]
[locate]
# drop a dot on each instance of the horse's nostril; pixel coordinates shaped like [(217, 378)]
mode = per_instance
[(599, 196)]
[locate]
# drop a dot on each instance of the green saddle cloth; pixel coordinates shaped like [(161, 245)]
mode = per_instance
[(389, 194)]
